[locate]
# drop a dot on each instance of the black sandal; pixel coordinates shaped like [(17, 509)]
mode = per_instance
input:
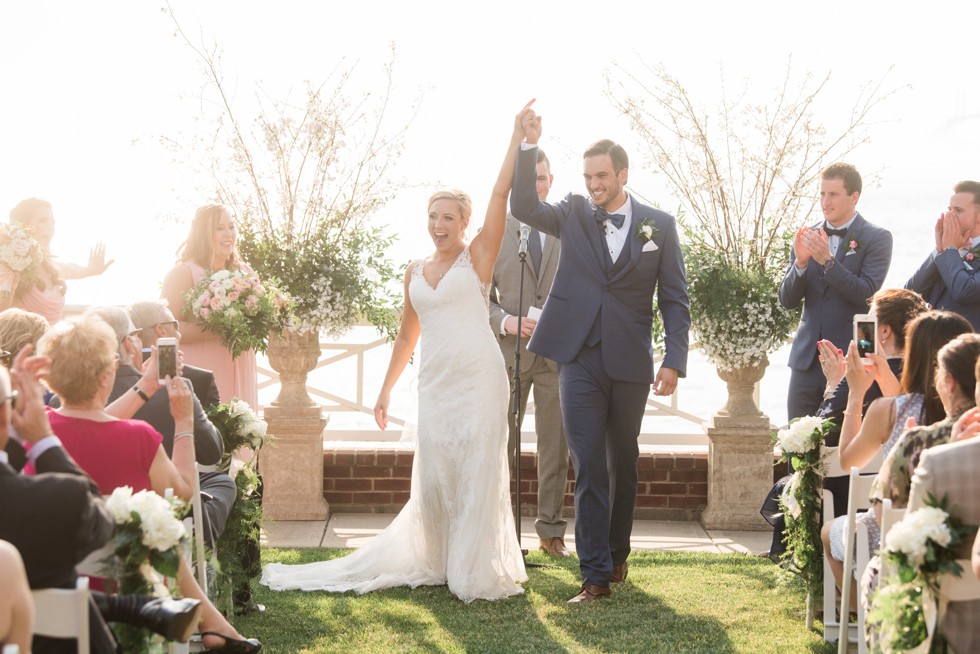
[(233, 645)]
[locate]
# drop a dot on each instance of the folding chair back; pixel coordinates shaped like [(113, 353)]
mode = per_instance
[(63, 613)]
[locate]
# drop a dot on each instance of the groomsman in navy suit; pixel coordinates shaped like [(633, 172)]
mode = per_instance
[(948, 277), (835, 267), (598, 325)]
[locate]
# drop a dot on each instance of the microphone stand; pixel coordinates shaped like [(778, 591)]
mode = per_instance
[(517, 414)]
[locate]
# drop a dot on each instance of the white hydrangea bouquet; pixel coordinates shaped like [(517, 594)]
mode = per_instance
[(801, 500), (238, 307), (918, 550), (238, 426), (19, 253), (146, 547)]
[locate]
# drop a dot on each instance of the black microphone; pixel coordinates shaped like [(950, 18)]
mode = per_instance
[(522, 248)]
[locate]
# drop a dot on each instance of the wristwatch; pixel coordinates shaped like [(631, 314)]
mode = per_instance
[(829, 264)]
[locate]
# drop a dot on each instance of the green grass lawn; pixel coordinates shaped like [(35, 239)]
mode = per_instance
[(672, 603)]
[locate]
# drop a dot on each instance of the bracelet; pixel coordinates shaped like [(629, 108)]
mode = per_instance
[(143, 396), (183, 434)]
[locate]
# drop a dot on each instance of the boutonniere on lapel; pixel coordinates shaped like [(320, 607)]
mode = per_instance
[(853, 246), (972, 256), (646, 231)]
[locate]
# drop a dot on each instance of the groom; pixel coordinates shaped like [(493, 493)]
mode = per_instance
[(598, 325)]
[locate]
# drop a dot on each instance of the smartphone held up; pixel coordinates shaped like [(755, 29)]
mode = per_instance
[(865, 335), (166, 358)]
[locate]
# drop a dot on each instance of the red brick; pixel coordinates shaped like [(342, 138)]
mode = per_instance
[(667, 488), (401, 472), (337, 471), (654, 475), (684, 462), (365, 458), (374, 472), (400, 498), (688, 475), (406, 458), (641, 488), (663, 461), (651, 501), (700, 462), (646, 462), (392, 485), (387, 458), (338, 498), (371, 498), (697, 490), (356, 484), (343, 458), (681, 502)]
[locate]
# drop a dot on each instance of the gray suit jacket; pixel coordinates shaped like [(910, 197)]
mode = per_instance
[(831, 299), (946, 283), (951, 470), (505, 289)]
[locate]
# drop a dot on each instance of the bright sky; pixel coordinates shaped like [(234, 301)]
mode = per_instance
[(89, 87)]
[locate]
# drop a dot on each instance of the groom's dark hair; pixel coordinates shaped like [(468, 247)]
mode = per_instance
[(543, 157), (613, 149)]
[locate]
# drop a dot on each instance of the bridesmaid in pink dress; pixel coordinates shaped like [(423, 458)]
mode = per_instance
[(210, 246), (44, 295)]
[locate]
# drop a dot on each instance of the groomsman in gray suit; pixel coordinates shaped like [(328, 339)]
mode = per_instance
[(948, 277), (835, 267), (536, 371)]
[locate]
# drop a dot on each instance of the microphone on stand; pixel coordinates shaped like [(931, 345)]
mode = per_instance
[(522, 247)]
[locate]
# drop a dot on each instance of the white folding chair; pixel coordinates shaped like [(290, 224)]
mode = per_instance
[(855, 538), (63, 613)]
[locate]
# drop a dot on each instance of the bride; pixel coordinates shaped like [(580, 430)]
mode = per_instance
[(457, 528)]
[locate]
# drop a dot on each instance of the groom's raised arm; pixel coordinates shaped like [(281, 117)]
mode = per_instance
[(673, 302)]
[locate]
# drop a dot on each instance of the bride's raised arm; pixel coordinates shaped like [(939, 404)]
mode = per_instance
[(486, 244)]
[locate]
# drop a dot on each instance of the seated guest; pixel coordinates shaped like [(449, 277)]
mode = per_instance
[(57, 518), (894, 309), (861, 438), (218, 491), (950, 470), (17, 329), (120, 452), (154, 320), (16, 604)]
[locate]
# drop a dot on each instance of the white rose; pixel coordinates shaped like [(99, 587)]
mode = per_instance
[(118, 504), (221, 274), (647, 232), (162, 531)]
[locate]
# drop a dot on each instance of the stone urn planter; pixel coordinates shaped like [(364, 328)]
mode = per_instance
[(740, 455), (292, 466)]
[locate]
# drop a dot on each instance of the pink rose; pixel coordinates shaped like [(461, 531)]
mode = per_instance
[(205, 312), (215, 303), (251, 301), (969, 256), (233, 296), (854, 245)]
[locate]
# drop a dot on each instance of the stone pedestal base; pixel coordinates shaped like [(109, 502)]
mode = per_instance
[(739, 472), (292, 465)]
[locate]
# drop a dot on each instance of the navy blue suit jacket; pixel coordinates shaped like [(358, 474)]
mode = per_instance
[(623, 301), (946, 283), (831, 299)]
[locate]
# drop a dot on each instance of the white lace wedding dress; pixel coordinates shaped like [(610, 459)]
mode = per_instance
[(457, 527)]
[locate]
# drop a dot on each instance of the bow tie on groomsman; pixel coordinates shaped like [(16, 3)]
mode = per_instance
[(601, 216), (835, 232)]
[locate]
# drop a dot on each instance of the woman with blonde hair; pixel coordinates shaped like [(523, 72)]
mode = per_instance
[(17, 329), (210, 245), (114, 451)]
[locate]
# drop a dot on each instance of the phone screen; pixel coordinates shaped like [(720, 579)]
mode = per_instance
[(166, 361), (866, 338)]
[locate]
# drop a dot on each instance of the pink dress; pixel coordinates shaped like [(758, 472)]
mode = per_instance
[(235, 377), (114, 454), (49, 303)]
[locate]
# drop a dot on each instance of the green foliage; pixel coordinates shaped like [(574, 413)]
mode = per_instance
[(676, 602)]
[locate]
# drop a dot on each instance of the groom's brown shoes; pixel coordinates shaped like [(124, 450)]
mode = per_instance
[(554, 547), (619, 572), (590, 593)]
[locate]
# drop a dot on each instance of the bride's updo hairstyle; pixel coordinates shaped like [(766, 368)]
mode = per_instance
[(457, 196)]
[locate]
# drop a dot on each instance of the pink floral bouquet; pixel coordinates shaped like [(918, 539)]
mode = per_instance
[(238, 307), (19, 253)]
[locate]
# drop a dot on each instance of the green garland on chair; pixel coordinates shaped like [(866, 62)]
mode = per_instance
[(239, 427), (802, 499)]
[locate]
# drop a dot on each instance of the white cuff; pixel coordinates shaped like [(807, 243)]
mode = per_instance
[(527, 146), (42, 446)]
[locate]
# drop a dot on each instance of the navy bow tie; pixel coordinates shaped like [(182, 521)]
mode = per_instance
[(836, 232), (601, 216)]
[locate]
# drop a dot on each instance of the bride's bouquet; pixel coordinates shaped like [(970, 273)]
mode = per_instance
[(19, 253), (238, 307)]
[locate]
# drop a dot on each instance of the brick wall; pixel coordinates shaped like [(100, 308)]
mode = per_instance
[(672, 486)]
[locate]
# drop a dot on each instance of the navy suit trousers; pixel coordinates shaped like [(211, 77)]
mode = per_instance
[(602, 423)]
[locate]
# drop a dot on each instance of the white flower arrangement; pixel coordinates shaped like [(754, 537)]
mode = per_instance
[(912, 535), (151, 514), (758, 327), (19, 250), (798, 438)]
